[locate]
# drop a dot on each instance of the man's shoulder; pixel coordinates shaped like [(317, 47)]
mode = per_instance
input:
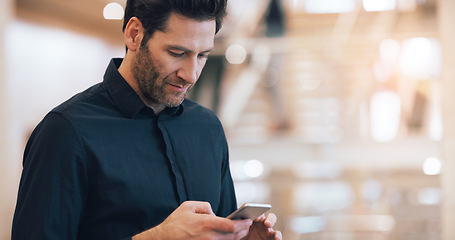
[(82, 102)]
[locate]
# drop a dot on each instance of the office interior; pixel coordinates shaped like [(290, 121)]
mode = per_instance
[(339, 113)]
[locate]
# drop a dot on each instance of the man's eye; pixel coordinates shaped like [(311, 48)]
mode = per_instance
[(174, 54)]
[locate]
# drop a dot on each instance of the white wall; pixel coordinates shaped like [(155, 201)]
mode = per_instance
[(40, 68), (7, 167)]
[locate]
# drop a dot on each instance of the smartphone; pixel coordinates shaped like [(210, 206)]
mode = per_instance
[(249, 210)]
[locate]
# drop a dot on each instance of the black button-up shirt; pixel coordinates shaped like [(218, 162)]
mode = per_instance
[(102, 165)]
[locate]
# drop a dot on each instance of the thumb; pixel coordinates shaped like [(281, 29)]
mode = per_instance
[(200, 207)]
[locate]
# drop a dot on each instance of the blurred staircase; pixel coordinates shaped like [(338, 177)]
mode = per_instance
[(317, 85)]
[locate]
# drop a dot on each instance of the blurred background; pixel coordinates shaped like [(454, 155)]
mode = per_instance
[(338, 112)]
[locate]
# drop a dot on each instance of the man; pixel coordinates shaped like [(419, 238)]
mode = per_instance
[(131, 158)]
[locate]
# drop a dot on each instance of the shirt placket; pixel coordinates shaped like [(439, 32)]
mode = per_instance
[(180, 185)]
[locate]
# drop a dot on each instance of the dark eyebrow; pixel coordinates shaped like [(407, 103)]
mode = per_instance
[(183, 49)]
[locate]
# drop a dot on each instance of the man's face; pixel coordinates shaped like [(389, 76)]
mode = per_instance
[(168, 66)]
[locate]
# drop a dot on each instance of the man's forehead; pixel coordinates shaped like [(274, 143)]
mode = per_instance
[(187, 33)]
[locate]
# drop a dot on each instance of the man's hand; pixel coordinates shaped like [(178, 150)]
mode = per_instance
[(196, 220), (262, 229)]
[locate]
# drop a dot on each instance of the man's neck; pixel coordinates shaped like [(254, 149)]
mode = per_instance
[(126, 71)]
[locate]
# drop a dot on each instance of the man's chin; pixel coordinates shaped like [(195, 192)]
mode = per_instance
[(174, 102)]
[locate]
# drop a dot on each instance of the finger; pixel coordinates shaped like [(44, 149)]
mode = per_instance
[(242, 234), (240, 225), (231, 226), (260, 218), (278, 235), (270, 220), (199, 207)]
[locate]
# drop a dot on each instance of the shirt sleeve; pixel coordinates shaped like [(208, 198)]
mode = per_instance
[(54, 183), (228, 202)]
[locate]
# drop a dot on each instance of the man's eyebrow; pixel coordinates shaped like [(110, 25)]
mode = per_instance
[(184, 49)]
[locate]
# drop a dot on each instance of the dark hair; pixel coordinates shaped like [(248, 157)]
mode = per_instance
[(154, 14)]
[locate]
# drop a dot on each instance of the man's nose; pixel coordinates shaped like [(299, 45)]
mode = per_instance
[(189, 71)]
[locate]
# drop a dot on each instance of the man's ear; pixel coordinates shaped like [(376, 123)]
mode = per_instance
[(133, 34)]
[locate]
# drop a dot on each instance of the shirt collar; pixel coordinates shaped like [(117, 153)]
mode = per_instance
[(126, 99)]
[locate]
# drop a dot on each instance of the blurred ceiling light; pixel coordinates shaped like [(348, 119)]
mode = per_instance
[(432, 166), (329, 6), (389, 50), (253, 168), (436, 128), (236, 54), (113, 11), (385, 111), (429, 196), (421, 58), (237, 170), (379, 5)]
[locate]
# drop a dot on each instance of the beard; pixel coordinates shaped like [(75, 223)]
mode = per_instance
[(151, 84)]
